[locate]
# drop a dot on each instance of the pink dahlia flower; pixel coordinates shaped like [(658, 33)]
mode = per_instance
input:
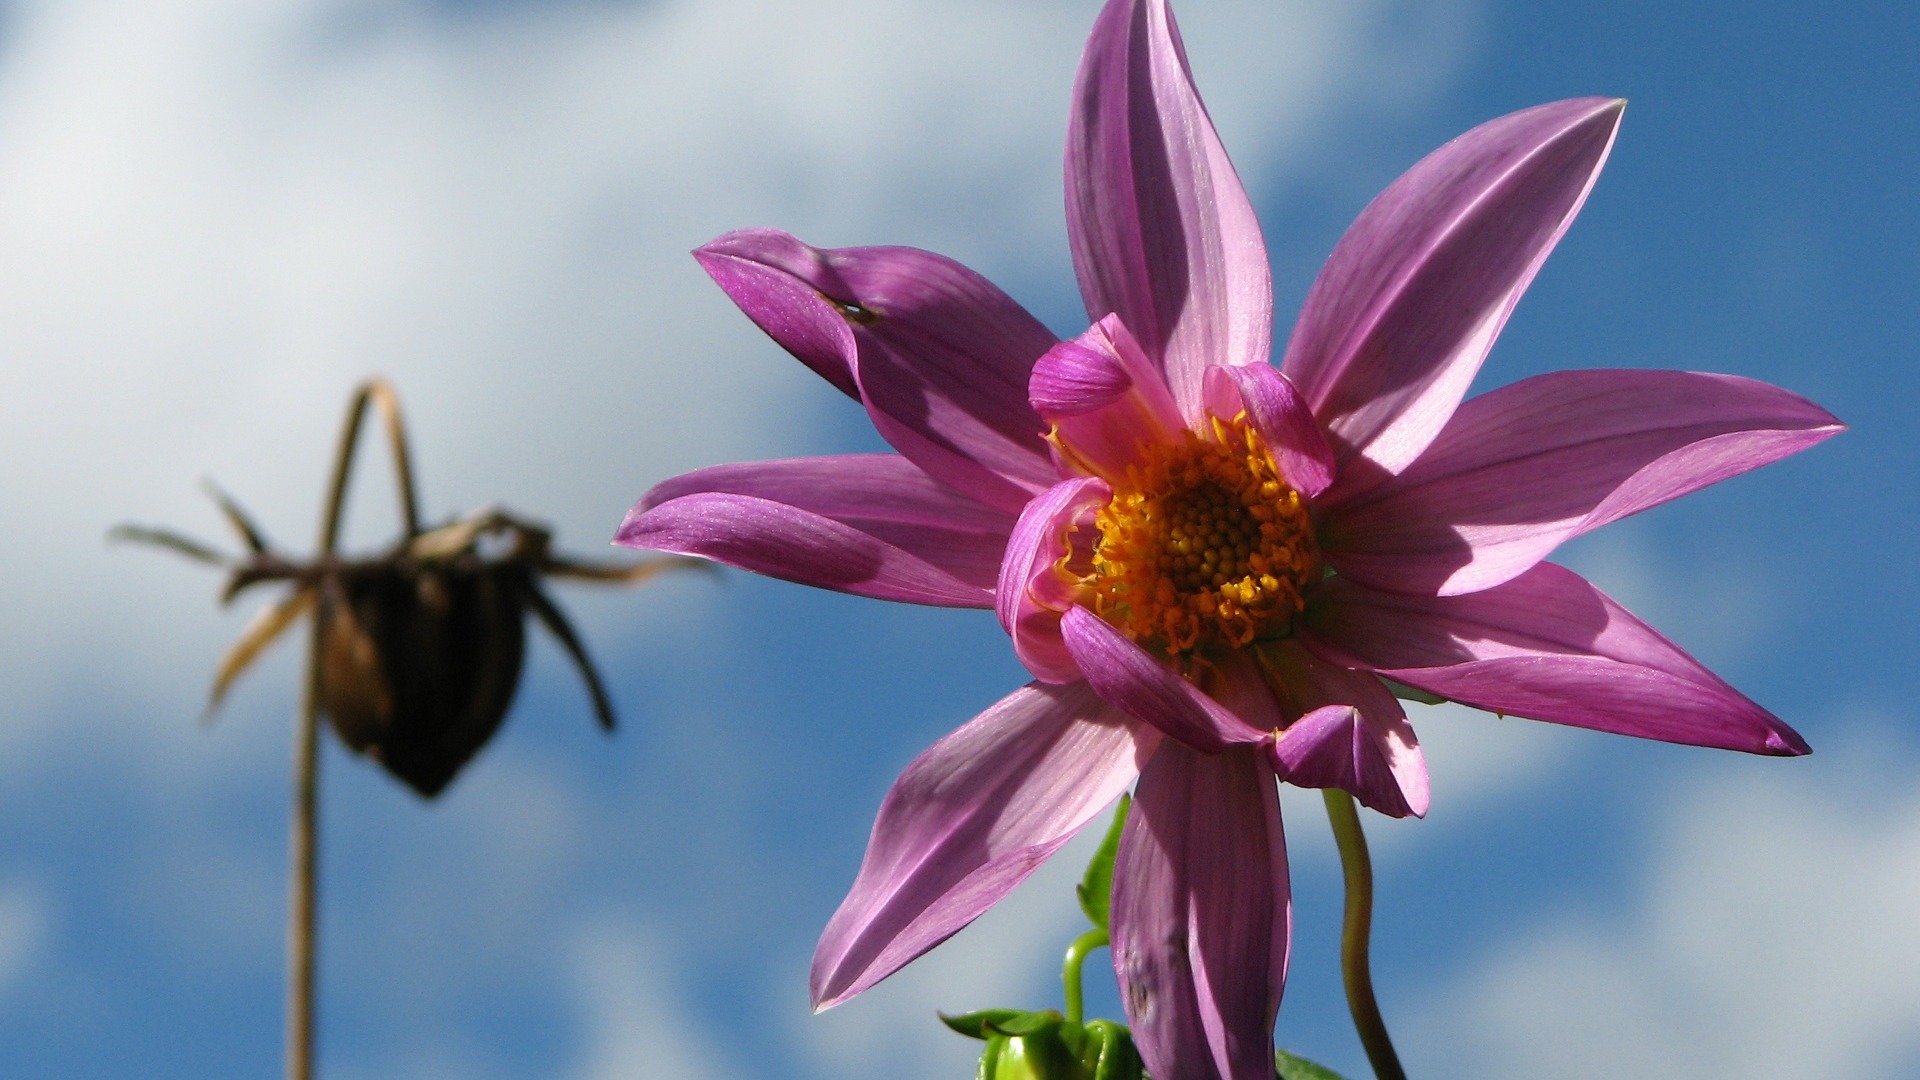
[(1217, 569)]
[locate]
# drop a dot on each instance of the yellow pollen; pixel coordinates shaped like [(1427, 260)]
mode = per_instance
[(1204, 545)]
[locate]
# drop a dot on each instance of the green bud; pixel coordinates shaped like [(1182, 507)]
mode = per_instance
[(1108, 1052), (1047, 1046), (1028, 1046)]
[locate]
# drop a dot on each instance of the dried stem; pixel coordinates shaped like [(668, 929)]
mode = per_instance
[(301, 919), (382, 396), (1354, 933), (306, 858)]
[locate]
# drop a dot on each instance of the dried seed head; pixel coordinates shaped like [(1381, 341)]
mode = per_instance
[(418, 652), (418, 663)]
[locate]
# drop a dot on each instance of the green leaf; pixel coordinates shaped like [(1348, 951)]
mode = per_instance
[(1029, 1024), (1096, 888), (1290, 1067), (978, 1025)]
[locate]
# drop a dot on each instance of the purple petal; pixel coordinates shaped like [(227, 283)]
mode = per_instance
[(970, 819), (1104, 400), (797, 544), (1546, 645), (1162, 232), (791, 291), (1035, 585), (881, 495), (1146, 689), (1280, 414), (1525, 467), (1074, 379), (1351, 733), (1202, 915), (1412, 297), (940, 356), (1238, 682)]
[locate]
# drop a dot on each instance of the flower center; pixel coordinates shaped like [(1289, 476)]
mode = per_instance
[(1203, 545)]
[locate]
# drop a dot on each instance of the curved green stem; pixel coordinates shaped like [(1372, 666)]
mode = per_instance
[(1070, 972), (1354, 932)]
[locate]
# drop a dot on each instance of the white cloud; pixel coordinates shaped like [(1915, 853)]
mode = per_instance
[(480, 887), (1475, 756), (1723, 606), (1774, 937), (637, 1028), (219, 215)]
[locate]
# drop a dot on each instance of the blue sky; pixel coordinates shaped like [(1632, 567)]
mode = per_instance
[(220, 215)]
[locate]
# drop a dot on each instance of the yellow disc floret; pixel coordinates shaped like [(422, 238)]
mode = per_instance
[(1204, 545)]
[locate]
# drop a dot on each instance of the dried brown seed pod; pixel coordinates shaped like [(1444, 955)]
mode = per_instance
[(419, 650)]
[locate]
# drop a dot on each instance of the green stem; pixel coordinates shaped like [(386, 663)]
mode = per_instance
[(1070, 973), (1354, 935)]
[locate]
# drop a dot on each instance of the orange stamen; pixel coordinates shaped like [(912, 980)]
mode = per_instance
[(1204, 545)]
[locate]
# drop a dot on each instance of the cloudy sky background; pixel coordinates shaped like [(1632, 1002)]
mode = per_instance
[(218, 215)]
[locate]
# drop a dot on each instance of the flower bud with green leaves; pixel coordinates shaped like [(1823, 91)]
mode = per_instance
[(1048, 1046)]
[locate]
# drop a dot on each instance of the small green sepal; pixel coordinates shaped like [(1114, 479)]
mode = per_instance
[(982, 1024), (1030, 1024)]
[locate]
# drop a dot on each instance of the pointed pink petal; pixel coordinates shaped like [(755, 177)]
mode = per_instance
[(1144, 688), (1202, 915), (881, 495), (1035, 586), (1413, 296), (1105, 400), (913, 561), (970, 819), (940, 356), (1162, 232), (1546, 645), (792, 292), (1525, 467), (1280, 414), (1351, 733)]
